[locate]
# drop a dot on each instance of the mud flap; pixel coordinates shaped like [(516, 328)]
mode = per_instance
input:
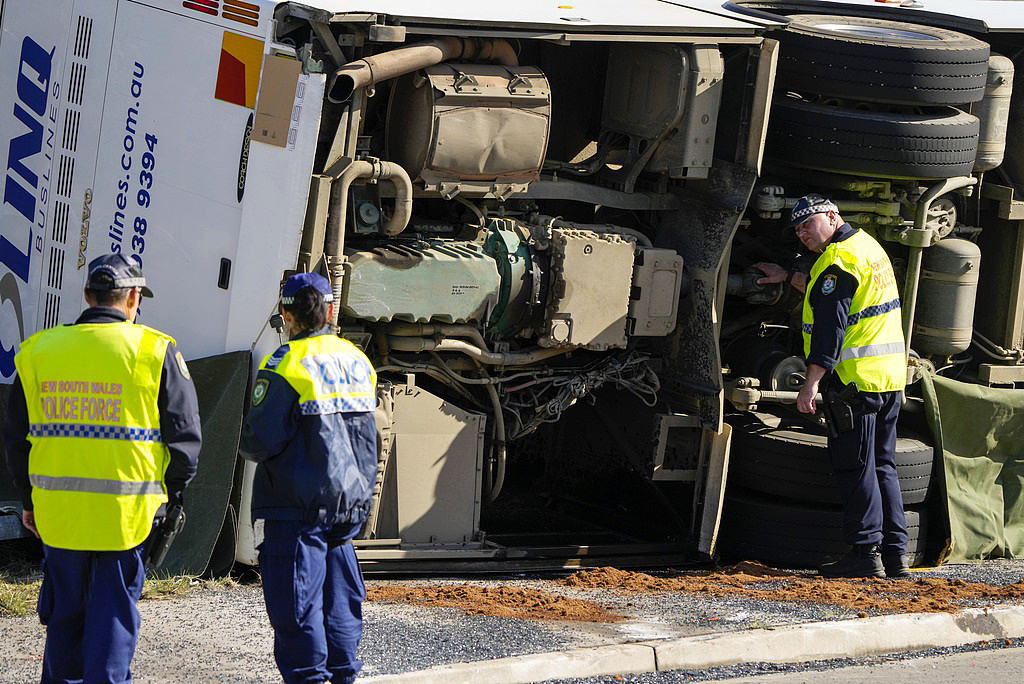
[(713, 488), (222, 385)]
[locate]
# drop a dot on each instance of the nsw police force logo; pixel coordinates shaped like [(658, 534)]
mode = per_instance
[(828, 285), (259, 392)]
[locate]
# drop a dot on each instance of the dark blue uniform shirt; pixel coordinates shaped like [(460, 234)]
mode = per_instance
[(317, 468)]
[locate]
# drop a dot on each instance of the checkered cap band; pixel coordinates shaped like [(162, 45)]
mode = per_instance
[(299, 281), (291, 300), (808, 206)]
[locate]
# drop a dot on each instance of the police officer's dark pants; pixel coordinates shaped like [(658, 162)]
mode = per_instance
[(314, 593), (87, 602), (864, 463)]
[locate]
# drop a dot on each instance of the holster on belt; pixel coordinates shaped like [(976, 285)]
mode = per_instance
[(843, 403)]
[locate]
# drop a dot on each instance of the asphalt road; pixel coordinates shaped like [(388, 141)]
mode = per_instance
[(991, 662), (991, 667)]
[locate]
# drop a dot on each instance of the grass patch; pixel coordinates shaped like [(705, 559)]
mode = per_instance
[(18, 595), (181, 585), (20, 578), (18, 599)]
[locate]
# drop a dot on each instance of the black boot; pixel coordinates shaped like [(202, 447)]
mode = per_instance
[(896, 564), (862, 560)]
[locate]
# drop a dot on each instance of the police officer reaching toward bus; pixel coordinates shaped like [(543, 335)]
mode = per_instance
[(102, 431), (853, 341), (311, 429)]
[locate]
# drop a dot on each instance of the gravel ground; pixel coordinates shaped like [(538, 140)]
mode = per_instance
[(223, 635)]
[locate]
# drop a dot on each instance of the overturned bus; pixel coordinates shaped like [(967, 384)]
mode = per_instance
[(540, 224)]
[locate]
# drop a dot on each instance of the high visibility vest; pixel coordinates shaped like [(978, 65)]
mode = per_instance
[(873, 354), (97, 460), (330, 375)]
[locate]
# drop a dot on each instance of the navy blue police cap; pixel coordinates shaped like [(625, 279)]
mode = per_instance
[(809, 205), (301, 280), (116, 271)]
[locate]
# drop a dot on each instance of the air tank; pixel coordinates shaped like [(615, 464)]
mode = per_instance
[(994, 112), (944, 321)]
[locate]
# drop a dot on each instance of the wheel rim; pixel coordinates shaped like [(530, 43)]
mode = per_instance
[(882, 32)]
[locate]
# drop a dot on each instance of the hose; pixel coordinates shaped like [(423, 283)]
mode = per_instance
[(421, 344), (446, 329)]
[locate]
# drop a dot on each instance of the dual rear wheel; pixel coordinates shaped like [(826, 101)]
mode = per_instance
[(870, 97)]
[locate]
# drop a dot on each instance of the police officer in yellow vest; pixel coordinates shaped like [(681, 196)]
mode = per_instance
[(102, 430), (853, 340), (311, 430)]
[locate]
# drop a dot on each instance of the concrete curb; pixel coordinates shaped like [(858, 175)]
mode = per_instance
[(797, 643)]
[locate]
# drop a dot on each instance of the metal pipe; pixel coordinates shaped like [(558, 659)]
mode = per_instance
[(372, 169), (422, 344), (426, 329), (405, 60), (402, 184), (914, 261)]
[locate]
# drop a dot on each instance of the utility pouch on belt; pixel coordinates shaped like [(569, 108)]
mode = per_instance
[(841, 406), (163, 534)]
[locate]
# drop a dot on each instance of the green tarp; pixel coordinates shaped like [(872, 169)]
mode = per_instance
[(222, 385), (979, 433)]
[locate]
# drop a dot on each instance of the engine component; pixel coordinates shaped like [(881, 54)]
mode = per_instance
[(666, 99), (543, 399), (519, 297), (745, 285), (994, 113), (573, 289), (941, 216), (592, 274), (447, 281), (657, 285), (476, 128), (405, 60), (431, 494), (788, 374), (949, 285)]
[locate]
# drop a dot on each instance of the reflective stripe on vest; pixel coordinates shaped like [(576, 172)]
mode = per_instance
[(873, 354), (85, 484), (330, 375), (97, 460), (872, 350)]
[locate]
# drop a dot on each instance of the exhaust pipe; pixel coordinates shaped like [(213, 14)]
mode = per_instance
[(387, 65)]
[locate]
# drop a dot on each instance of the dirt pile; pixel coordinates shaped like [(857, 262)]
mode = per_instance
[(866, 596), (748, 579), (517, 602)]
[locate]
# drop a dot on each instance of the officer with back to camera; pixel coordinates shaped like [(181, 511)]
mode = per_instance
[(853, 341), (102, 432), (311, 431)]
